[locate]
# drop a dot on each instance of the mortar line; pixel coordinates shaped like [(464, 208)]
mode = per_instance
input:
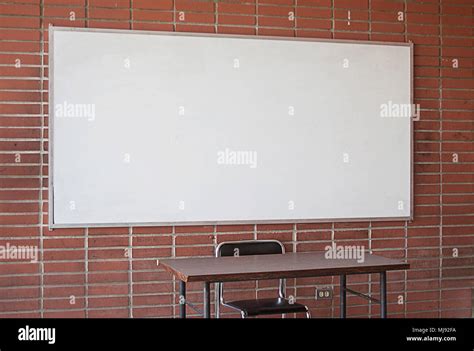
[(86, 271), (130, 271), (440, 63), (41, 162)]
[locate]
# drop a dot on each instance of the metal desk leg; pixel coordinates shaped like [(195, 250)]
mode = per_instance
[(342, 302), (383, 294), (182, 299), (207, 300)]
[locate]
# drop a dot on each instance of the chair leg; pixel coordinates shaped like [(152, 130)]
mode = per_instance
[(308, 314)]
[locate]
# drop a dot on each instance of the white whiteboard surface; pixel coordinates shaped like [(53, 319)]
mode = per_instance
[(165, 128)]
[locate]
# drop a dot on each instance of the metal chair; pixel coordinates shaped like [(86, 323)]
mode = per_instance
[(256, 307)]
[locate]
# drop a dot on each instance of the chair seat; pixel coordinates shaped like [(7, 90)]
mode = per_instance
[(266, 306)]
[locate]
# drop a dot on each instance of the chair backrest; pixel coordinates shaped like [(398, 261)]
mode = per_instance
[(251, 247), (247, 248)]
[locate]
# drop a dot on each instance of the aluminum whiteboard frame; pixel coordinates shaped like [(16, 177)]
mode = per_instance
[(53, 225)]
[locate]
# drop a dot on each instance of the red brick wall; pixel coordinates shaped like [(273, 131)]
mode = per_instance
[(87, 272)]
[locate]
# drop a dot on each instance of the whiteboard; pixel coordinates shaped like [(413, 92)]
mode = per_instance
[(157, 128)]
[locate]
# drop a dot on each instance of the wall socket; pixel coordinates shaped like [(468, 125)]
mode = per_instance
[(323, 293)]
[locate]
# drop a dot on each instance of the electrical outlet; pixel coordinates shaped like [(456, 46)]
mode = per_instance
[(323, 292)]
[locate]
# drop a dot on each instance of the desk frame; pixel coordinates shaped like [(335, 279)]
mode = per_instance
[(342, 297)]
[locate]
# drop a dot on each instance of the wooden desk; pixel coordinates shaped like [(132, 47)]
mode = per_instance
[(290, 265)]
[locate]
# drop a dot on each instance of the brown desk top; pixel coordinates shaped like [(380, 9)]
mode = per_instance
[(290, 265)]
